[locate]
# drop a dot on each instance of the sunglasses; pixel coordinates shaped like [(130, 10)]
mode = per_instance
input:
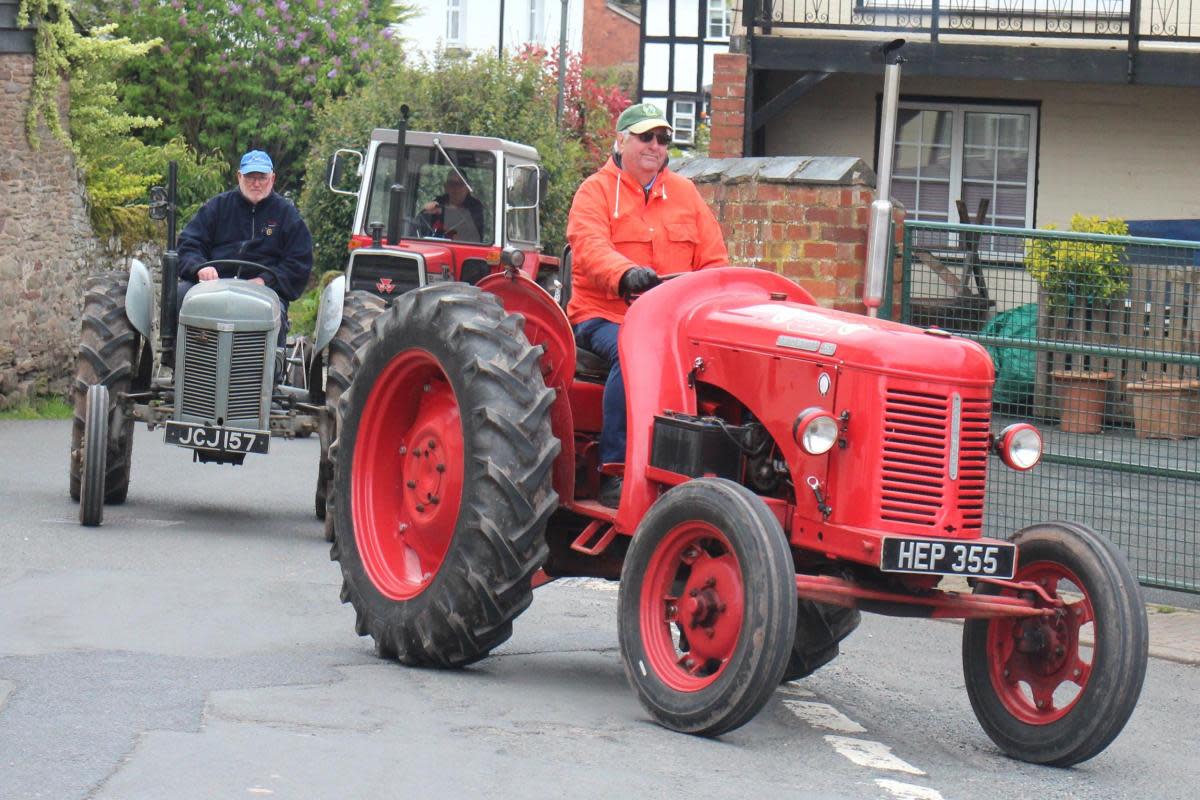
[(663, 137)]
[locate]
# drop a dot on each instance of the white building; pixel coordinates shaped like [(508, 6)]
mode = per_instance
[(679, 40), (476, 25)]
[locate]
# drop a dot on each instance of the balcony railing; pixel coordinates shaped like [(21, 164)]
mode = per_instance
[(1132, 20)]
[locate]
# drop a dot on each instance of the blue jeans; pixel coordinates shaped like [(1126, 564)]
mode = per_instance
[(600, 336)]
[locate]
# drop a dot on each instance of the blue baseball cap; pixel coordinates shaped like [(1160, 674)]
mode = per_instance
[(256, 161)]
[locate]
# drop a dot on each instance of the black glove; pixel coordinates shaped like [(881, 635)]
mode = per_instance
[(637, 280)]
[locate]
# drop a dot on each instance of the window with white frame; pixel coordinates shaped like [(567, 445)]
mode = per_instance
[(947, 152), (454, 20), (684, 121), (720, 19)]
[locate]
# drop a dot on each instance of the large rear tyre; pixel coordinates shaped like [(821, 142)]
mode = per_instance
[(707, 607), (1040, 691), (107, 356), (442, 482), (95, 454), (359, 310)]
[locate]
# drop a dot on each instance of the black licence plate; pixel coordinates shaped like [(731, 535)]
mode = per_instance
[(948, 557), (225, 440)]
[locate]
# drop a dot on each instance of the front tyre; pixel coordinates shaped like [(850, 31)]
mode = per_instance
[(94, 456), (707, 607), (442, 481), (107, 352), (1040, 690)]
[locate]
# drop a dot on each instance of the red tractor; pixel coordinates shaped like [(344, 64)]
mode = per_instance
[(787, 465)]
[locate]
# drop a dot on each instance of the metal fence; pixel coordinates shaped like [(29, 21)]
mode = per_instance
[(1096, 339), (1144, 20)]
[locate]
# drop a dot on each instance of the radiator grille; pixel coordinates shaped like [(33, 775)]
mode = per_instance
[(370, 271), (200, 372), (246, 374), (918, 437)]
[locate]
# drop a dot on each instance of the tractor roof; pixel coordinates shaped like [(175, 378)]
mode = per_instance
[(457, 141)]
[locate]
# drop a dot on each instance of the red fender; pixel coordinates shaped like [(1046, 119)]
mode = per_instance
[(654, 360), (546, 325)]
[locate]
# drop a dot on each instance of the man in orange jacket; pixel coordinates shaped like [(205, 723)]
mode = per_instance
[(629, 223)]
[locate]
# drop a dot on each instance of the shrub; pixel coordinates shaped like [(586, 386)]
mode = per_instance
[(1068, 268)]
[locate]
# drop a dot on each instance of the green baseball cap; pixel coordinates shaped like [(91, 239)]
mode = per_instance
[(641, 118)]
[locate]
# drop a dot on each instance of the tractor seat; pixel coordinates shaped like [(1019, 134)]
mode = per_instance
[(589, 366)]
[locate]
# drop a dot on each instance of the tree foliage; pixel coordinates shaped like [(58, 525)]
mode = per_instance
[(513, 98), (232, 75), (118, 168)]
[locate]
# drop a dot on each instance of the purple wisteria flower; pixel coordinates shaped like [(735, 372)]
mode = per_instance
[(260, 12), (332, 74), (282, 5), (235, 9), (304, 61)]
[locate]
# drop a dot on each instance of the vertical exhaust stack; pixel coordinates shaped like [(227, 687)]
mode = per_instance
[(396, 191), (879, 225)]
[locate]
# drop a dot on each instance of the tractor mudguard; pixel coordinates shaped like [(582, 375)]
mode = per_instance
[(139, 299), (329, 313), (546, 325), (653, 348)]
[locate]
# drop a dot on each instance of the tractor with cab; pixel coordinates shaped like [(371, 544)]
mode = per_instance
[(397, 244), (788, 466), (219, 384)]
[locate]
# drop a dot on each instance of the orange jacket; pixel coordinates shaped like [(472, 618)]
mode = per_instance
[(613, 226)]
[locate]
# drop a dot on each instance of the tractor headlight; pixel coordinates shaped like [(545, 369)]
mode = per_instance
[(815, 430), (1019, 446)]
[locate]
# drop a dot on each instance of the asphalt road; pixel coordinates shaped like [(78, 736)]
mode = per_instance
[(194, 647)]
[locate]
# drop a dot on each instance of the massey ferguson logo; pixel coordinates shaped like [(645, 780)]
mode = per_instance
[(385, 285)]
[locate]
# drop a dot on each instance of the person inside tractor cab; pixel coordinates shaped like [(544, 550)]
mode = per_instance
[(457, 214), (629, 223), (250, 223)]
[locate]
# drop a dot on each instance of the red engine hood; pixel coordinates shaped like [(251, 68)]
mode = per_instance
[(792, 329)]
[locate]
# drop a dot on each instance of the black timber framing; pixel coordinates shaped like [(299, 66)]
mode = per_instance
[(782, 101), (1069, 65)]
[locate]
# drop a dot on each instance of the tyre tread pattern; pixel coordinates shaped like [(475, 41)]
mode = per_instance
[(483, 583)]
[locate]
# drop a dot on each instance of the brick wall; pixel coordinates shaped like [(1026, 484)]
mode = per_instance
[(47, 248), (805, 218), (610, 37), (728, 105)]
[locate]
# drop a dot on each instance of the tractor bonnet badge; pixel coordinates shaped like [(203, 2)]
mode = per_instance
[(385, 285)]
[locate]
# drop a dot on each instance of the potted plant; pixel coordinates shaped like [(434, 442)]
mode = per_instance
[(1077, 278)]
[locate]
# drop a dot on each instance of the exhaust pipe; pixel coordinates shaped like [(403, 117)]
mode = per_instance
[(879, 225)]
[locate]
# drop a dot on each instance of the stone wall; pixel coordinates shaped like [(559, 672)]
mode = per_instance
[(805, 218), (47, 248)]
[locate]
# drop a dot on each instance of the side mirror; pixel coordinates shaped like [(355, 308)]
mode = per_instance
[(158, 202), (524, 187), (336, 169)]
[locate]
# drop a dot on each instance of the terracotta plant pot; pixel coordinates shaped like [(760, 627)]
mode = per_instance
[(1165, 409), (1083, 395)]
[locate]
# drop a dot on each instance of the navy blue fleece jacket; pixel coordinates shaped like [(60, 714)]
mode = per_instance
[(270, 233)]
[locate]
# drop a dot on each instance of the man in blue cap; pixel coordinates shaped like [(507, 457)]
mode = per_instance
[(250, 223)]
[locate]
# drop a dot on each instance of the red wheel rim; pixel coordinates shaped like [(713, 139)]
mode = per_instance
[(1039, 665), (691, 606), (407, 477)]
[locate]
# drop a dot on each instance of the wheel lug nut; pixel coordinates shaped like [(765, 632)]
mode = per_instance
[(434, 500), (411, 484), (420, 507), (711, 582), (441, 467), (403, 450), (693, 592), (425, 388), (432, 444)]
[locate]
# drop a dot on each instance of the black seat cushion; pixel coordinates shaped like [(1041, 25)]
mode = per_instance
[(589, 366)]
